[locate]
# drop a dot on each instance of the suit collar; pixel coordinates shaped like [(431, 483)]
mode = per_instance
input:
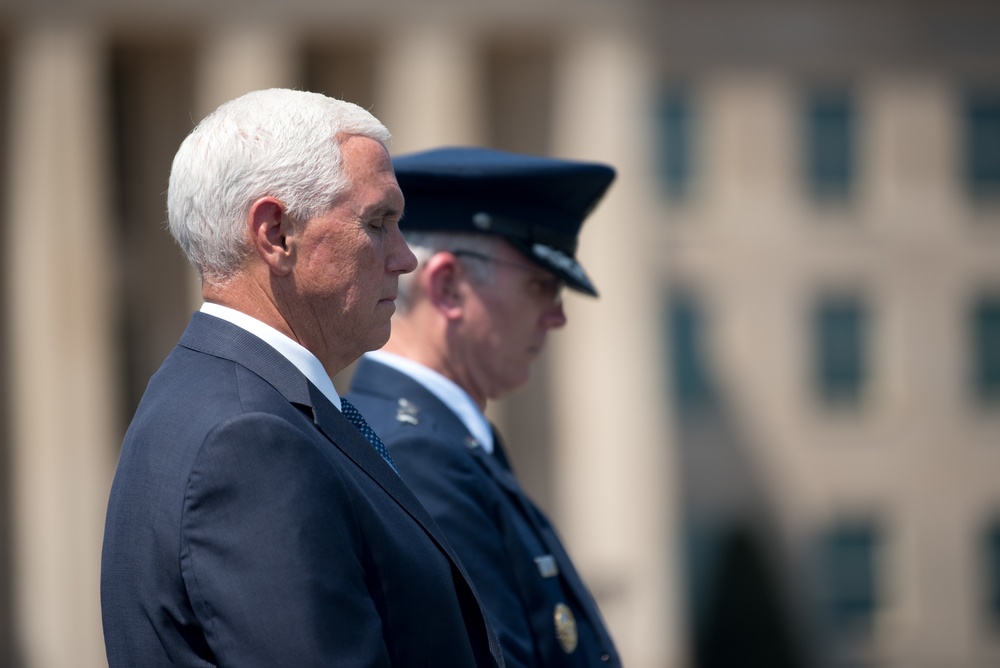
[(392, 385), (303, 359), (223, 339), (446, 392), (220, 338)]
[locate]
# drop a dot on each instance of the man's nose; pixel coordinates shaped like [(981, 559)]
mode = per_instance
[(554, 316), (402, 259)]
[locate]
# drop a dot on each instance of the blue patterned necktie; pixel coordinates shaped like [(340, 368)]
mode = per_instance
[(352, 414)]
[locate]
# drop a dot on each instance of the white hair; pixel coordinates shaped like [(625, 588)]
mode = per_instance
[(279, 143), (426, 245)]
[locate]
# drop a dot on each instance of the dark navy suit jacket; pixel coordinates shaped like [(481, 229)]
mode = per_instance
[(250, 524), (497, 531)]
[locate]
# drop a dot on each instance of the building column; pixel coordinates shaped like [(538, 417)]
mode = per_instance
[(235, 59), (240, 58), (63, 400), (615, 477), (428, 88)]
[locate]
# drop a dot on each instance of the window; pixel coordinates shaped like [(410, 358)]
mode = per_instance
[(986, 348), (982, 143), (849, 576), (840, 358), (673, 118), (829, 144), (690, 376)]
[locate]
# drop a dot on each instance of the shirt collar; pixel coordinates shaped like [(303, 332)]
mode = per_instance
[(293, 351), (445, 389)]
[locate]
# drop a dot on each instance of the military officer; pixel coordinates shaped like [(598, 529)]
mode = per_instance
[(495, 235)]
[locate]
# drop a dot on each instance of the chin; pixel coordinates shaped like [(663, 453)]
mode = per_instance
[(380, 336), (519, 382)]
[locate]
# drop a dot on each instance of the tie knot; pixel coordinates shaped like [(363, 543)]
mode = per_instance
[(351, 413)]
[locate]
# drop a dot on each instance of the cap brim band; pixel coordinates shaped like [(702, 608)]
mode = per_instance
[(559, 263)]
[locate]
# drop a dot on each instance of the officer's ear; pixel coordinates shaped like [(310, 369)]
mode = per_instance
[(271, 234), (442, 280)]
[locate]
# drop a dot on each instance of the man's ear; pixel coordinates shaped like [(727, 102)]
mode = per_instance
[(442, 278), (270, 233)]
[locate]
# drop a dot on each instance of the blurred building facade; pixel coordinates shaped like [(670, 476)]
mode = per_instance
[(774, 440)]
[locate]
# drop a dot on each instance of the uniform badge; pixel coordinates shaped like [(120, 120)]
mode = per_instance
[(565, 627), (547, 566), (471, 443), (407, 412)]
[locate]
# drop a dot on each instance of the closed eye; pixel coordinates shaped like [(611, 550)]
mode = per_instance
[(381, 217), (549, 288)]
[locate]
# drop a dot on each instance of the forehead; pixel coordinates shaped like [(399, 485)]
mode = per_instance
[(365, 156), (369, 171)]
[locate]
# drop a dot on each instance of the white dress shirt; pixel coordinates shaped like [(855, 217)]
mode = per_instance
[(293, 351)]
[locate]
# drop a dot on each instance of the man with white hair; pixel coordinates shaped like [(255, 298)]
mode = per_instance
[(255, 519)]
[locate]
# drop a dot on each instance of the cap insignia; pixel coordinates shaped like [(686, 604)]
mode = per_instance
[(482, 221)]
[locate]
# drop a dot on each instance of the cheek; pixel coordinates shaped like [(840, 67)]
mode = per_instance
[(357, 271)]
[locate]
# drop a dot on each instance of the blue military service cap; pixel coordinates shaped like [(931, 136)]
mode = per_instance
[(537, 204)]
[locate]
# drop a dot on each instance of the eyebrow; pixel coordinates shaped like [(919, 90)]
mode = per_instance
[(381, 211)]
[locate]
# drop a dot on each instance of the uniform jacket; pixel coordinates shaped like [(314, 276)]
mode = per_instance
[(516, 561), (250, 524)]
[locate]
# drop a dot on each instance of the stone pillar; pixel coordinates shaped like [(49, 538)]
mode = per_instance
[(64, 423), (428, 88), (237, 59), (615, 486)]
